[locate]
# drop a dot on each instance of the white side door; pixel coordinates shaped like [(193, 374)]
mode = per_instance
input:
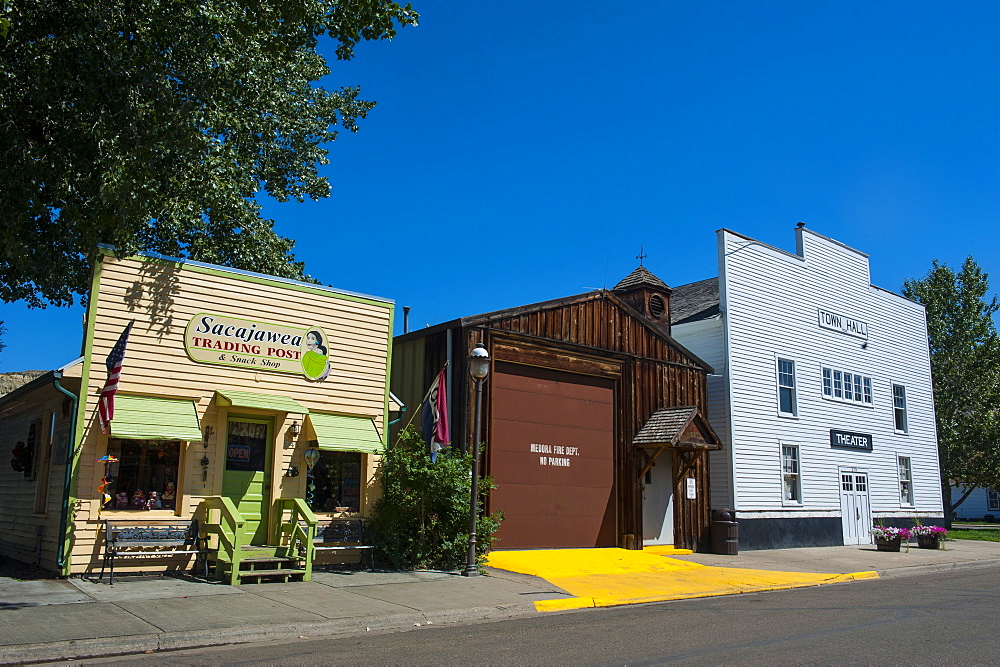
[(855, 507), (658, 503)]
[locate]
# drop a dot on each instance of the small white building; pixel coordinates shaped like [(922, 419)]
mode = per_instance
[(822, 393), (981, 503)]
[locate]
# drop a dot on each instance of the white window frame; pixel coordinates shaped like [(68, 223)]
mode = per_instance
[(992, 500), (904, 471), (896, 409), (791, 470), (792, 388), (838, 385)]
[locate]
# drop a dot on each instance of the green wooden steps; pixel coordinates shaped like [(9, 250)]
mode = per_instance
[(260, 564)]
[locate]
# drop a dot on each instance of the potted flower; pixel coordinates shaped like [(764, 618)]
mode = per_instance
[(889, 538), (929, 537)]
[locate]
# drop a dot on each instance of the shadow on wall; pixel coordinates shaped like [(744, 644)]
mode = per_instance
[(153, 294)]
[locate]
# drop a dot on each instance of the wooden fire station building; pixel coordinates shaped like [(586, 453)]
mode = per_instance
[(573, 382)]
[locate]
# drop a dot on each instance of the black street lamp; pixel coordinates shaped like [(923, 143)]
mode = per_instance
[(479, 368)]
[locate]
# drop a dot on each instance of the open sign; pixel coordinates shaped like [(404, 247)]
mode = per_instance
[(239, 453)]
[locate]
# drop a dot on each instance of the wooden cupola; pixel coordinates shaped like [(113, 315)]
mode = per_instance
[(647, 294)]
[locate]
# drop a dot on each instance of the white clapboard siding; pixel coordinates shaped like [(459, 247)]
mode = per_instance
[(976, 506), (706, 339), (771, 299)]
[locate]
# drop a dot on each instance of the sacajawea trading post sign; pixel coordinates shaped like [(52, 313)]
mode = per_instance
[(228, 341)]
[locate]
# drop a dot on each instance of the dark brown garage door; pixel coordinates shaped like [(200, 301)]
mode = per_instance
[(552, 456)]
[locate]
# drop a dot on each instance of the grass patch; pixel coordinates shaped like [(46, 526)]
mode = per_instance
[(967, 534)]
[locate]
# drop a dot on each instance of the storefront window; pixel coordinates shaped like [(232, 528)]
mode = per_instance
[(337, 476), (145, 476)]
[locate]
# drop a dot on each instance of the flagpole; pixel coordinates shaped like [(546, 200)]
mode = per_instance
[(416, 410)]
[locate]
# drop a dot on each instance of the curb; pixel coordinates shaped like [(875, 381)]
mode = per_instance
[(172, 641), (938, 567)]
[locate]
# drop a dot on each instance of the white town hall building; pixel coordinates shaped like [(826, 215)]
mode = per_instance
[(821, 395)]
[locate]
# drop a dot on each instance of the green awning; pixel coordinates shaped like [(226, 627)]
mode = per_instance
[(344, 433), (246, 399), (149, 418)]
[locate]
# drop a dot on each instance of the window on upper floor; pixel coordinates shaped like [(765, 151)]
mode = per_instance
[(840, 385), (899, 408), (786, 388), (791, 479), (905, 481)]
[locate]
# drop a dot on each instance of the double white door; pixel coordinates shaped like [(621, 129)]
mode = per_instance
[(855, 507)]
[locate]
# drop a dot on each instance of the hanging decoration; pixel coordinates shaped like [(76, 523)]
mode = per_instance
[(20, 461), (106, 481), (311, 456)]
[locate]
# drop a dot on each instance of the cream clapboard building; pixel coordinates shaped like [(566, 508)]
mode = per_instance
[(229, 378), (822, 393)]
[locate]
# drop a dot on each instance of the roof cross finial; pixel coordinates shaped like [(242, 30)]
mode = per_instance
[(641, 256)]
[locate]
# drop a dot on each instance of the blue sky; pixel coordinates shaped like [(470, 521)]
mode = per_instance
[(525, 151)]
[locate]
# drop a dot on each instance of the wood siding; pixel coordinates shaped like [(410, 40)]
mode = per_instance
[(976, 506), (594, 334), (162, 297), (771, 300), (31, 506)]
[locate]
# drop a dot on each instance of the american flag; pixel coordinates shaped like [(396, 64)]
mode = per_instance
[(106, 403)]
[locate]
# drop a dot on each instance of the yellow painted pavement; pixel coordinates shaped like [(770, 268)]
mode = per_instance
[(609, 577)]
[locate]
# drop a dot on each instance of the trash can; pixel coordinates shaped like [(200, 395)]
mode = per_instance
[(725, 533)]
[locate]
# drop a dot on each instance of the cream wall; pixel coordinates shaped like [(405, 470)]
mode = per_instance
[(30, 507), (162, 297)]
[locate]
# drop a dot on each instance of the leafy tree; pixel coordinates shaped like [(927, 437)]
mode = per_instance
[(422, 518), (154, 124), (965, 362)]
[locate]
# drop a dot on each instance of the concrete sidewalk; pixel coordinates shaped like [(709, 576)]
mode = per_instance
[(956, 554), (53, 619), (76, 618)]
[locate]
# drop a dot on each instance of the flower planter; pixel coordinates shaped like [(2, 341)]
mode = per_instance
[(888, 545), (928, 541)]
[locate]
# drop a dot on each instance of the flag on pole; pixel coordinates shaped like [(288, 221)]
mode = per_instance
[(106, 403), (434, 417)]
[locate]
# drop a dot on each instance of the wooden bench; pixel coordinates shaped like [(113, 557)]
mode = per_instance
[(128, 538), (343, 535)]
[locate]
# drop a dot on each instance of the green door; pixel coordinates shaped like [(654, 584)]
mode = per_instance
[(247, 481)]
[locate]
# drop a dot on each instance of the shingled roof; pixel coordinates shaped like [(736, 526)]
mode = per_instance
[(641, 276), (667, 426), (664, 427), (694, 301)]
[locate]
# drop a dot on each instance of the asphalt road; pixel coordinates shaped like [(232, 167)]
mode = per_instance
[(935, 618)]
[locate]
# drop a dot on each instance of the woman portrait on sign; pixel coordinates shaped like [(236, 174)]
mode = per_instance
[(314, 362)]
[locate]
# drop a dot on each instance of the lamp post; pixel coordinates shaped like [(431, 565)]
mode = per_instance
[(479, 368)]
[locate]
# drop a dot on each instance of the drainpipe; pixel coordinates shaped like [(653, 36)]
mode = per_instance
[(402, 410), (70, 450)]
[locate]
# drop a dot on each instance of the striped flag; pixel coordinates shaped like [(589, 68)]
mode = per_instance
[(106, 403), (434, 417)]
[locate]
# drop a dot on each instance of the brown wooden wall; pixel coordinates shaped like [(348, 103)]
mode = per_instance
[(654, 373)]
